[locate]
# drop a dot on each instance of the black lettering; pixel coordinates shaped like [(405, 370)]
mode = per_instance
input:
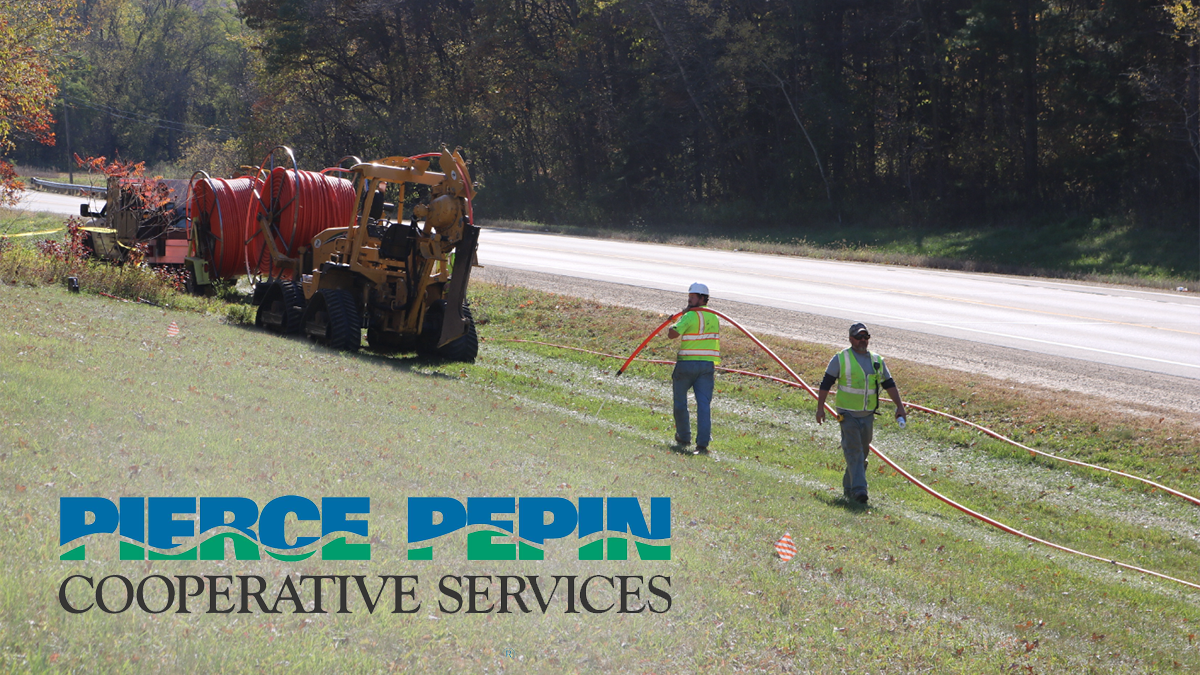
[(141, 594), (344, 598), (570, 593), (401, 594), (362, 588), (505, 594), (256, 594), (62, 594), (534, 583), (446, 591), (317, 608), (183, 592), (213, 593), (626, 594), (660, 593), (472, 594), (292, 596), (583, 599), (100, 594)]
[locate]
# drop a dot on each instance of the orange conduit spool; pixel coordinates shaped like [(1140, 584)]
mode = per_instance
[(223, 204), (306, 202)]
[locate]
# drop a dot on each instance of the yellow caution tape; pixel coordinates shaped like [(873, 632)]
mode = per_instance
[(33, 234)]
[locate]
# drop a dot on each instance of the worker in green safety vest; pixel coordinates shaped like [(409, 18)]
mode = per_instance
[(860, 374), (695, 366)]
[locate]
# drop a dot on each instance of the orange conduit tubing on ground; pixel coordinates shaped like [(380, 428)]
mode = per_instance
[(907, 404), (1035, 451), (799, 382), (307, 203), (223, 202), (735, 324)]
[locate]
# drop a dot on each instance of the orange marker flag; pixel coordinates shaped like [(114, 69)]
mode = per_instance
[(785, 547)]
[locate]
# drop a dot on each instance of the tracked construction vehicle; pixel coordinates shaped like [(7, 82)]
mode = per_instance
[(330, 257)]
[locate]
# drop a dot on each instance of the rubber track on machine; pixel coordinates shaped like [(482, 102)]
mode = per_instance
[(345, 324), (466, 347)]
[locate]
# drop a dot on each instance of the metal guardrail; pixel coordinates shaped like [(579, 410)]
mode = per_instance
[(69, 188)]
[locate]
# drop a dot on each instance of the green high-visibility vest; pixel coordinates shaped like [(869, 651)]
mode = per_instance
[(701, 341), (857, 390)]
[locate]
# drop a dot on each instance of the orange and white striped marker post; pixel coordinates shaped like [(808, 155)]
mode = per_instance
[(785, 547)]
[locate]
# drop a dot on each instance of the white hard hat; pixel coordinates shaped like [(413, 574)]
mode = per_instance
[(698, 288)]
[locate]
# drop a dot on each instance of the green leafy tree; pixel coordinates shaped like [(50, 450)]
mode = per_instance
[(34, 35), (155, 76)]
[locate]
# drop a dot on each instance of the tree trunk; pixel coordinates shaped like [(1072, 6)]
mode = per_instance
[(1028, 54)]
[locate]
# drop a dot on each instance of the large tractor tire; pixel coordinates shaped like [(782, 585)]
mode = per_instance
[(282, 308), (463, 349), (333, 319)]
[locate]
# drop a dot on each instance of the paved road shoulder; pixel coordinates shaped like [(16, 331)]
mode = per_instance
[(1135, 390)]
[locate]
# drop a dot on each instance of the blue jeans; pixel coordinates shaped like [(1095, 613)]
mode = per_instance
[(697, 376), (856, 441)]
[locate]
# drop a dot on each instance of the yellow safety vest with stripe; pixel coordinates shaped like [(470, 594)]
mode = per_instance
[(857, 390), (701, 338)]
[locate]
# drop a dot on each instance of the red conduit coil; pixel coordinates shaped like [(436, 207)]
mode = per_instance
[(887, 460), (308, 203), (224, 202)]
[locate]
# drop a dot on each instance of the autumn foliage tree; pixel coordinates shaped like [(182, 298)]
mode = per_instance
[(34, 36)]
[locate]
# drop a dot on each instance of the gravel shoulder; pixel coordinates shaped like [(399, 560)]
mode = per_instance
[(1126, 389)]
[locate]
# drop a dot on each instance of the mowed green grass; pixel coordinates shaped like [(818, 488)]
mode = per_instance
[(97, 400), (19, 222)]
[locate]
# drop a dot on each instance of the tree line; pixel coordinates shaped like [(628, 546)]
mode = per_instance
[(756, 112)]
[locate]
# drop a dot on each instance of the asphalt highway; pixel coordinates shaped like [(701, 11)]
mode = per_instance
[(1142, 346), (68, 205), (1148, 330)]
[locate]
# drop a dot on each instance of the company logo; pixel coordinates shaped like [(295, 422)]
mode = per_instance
[(541, 519), (148, 527)]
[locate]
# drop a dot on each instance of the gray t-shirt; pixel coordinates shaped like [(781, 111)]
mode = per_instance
[(834, 369)]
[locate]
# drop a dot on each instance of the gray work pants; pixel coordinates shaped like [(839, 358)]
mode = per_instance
[(856, 441)]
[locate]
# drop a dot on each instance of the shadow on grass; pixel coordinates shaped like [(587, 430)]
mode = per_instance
[(687, 450), (405, 363), (835, 500)]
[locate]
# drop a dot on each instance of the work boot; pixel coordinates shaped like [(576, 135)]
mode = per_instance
[(681, 441)]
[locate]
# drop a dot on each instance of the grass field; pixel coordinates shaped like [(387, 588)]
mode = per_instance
[(97, 400), (17, 222)]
